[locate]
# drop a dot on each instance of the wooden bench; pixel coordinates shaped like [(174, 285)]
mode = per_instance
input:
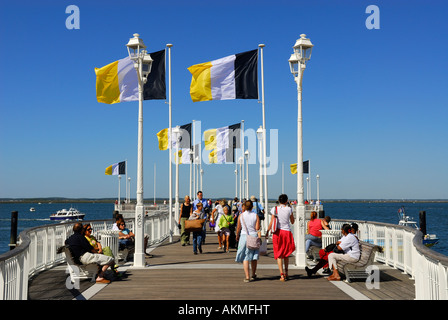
[(78, 271), (357, 270)]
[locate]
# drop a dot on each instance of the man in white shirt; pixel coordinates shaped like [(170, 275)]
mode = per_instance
[(349, 244)]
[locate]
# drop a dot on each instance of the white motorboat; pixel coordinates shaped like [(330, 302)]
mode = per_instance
[(428, 239), (70, 214)]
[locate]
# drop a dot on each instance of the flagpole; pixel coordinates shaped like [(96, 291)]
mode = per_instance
[(266, 198), (194, 159), (126, 168), (242, 156), (119, 200), (236, 178), (176, 205), (200, 160), (170, 132), (154, 184), (191, 178), (283, 178), (309, 175)]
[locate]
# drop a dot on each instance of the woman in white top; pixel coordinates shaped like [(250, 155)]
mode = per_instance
[(282, 239), (350, 245), (248, 222)]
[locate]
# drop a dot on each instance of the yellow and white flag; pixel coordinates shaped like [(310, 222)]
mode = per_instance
[(222, 142), (231, 77)]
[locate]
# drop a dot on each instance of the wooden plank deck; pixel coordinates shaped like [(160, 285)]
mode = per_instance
[(175, 273)]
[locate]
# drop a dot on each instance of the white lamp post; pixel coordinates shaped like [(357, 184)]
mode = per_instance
[(129, 190), (176, 134), (119, 191), (142, 64), (202, 176), (308, 189), (260, 135), (318, 199), (297, 63), (260, 159), (236, 180), (240, 160), (247, 155), (191, 179), (196, 175)]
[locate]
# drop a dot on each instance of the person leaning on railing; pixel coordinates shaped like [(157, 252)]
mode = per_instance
[(83, 253)]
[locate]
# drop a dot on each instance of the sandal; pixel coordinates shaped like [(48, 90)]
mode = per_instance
[(282, 277), (246, 280)]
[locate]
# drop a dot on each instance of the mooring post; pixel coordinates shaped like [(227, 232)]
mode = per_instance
[(422, 223), (13, 238)]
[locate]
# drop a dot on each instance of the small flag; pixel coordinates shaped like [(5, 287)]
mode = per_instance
[(116, 169), (306, 166), (164, 139), (184, 156), (155, 86), (117, 81), (222, 142), (231, 77)]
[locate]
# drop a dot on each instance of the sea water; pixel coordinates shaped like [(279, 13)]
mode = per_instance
[(436, 215)]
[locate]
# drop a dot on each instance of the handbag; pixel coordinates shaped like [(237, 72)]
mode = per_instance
[(274, 225), (194, 225), (252, 243), (337, 250), (263, 248)]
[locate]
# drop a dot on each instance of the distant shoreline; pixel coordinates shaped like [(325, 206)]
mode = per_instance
[(161, 200)]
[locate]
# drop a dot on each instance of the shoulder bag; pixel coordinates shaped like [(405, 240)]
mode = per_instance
[(252, 243), (194, 225), (274, 225)]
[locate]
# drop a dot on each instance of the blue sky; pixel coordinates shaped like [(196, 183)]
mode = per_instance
[(375, 102)]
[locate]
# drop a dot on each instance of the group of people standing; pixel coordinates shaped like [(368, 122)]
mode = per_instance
[(243, 219)]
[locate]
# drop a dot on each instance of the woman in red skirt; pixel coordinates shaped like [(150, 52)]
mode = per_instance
[(282, 239)]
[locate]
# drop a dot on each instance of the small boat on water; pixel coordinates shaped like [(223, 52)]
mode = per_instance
[(428, 239), (32, 209), (70, 214)]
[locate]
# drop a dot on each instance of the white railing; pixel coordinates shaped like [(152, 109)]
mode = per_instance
[(36, 251), (403, 249)]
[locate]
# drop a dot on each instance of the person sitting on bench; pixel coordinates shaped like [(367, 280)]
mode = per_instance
[(83, 253)]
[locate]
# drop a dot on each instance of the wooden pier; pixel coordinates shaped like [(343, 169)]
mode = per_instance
[(174, 273)]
